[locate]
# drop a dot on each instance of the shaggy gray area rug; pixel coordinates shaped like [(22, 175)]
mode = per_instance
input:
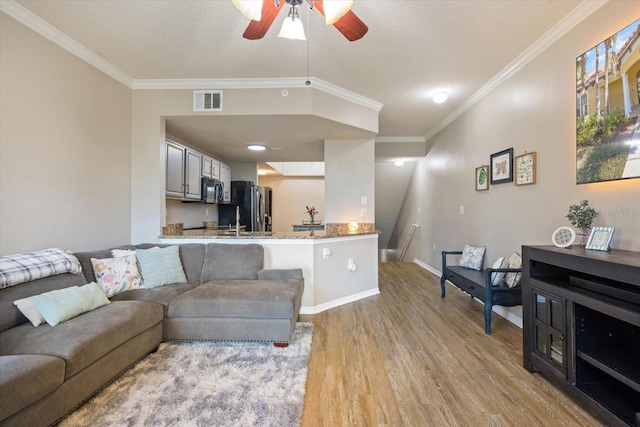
[(206, 384)]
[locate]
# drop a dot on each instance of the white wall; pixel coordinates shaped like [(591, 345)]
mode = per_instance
[(534, 110), (290, 197), (65, 148), (349, 175)]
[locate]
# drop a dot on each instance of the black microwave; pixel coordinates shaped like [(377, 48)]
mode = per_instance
[(212, 190)]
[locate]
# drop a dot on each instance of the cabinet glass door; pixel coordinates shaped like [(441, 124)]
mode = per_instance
[(549, 329)]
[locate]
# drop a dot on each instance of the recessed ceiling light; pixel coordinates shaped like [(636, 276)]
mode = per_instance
[(256, 147), (399, 162), (440, 97)]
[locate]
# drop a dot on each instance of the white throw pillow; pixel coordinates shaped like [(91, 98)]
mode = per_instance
[(29, 310), (513, 279), (496, 278)]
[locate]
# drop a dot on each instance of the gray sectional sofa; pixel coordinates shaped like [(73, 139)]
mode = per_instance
[(45, 372)]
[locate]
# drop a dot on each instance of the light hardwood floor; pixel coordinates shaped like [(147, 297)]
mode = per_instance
[(407, 357)]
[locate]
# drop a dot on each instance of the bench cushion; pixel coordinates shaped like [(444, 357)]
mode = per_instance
[(161, 295)]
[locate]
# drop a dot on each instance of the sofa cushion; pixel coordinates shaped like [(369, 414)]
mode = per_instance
[(43, 374), (161, 295), (10, 315), (85, 338), (264, 299), (232, 262)]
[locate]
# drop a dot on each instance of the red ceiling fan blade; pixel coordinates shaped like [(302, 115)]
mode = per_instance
[(349, 25), (257, 29)]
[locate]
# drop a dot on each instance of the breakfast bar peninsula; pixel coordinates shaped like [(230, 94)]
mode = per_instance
[(338, 267)]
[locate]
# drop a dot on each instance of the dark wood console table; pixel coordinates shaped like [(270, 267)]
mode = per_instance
[(581, 326)]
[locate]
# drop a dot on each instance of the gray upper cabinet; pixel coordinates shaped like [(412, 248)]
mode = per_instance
[(175, 170), (183, 172), (210, 167), (193, 175)]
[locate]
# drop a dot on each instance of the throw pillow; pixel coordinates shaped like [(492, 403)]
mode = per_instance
[(64, 304), (496, 278), (472, 257), (117, 275), (117, 253), (29, 310), (160, 266), (513, 279)]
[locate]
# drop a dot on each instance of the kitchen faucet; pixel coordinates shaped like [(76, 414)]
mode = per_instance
[(237, 220)]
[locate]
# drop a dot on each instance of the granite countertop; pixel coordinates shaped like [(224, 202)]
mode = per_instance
[(220, 234)]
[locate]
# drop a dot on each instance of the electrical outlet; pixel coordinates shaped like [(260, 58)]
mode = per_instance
[(419, 210), (461, 210), (363, 212), (363, 200), (206, 211), (434, 246)]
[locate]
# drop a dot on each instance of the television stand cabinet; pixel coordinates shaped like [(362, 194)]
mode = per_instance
[(581, 326)]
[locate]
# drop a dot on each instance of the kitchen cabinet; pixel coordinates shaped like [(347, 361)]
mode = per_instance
[(225, 177), (183, 172), (210, 167)]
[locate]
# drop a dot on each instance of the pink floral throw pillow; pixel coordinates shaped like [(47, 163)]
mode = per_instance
[(117, 275)]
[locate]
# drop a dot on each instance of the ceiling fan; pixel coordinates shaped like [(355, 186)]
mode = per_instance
[(263, 12)]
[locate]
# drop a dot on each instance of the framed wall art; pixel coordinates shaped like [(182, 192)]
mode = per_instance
[(525, 166), (501, 167), (482, 178)]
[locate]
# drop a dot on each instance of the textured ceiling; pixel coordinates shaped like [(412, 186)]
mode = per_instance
[(412, 49)]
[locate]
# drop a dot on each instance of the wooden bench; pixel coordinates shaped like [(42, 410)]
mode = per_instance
[(478, 285)]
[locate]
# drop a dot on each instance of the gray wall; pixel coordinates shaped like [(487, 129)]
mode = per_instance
[(65, 148), (534, 110)]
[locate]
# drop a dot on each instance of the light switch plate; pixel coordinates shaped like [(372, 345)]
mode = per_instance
[(461, 210), (363, 200)]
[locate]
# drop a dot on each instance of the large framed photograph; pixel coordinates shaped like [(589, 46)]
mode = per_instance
[(501, 166), (606, 105), (600, 238), (482, 178), (525, 165)]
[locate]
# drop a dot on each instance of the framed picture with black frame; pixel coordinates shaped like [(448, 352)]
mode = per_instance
[(501, 166)]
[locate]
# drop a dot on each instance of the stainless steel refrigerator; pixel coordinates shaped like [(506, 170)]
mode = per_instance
[(255, 204)]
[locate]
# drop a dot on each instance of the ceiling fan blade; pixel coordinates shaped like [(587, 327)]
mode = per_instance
[(349, 25), (257, 29)]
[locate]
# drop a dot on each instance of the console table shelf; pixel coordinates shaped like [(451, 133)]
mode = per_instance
[(581, 326)]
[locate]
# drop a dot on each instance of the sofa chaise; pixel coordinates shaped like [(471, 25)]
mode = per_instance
[(47, 371)]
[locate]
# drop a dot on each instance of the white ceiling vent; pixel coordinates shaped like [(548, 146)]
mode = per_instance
[(207, 100)]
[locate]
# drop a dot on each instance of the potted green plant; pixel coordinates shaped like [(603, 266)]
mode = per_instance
[(581, 216)]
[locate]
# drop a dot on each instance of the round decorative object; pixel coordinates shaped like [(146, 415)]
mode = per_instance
[(563, 237)]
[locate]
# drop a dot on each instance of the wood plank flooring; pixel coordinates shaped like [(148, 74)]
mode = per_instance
[(407, 357)]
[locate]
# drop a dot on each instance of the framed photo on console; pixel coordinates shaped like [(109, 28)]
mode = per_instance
[(600, 238), (501, 166)]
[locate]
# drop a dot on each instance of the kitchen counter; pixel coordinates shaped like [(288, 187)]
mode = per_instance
[(225, 234)]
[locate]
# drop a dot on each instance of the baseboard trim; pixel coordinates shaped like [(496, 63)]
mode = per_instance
[(499, 310), (338, 302)]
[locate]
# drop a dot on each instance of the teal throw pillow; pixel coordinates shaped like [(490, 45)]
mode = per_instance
[(160, 266), (64, 304)]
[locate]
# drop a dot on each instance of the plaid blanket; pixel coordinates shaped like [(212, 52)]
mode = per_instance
[(20, 268)]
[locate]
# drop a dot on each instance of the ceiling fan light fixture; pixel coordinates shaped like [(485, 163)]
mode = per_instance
[(292, 26), (256, 147), (440, 97), (335, 9), (252, 9)]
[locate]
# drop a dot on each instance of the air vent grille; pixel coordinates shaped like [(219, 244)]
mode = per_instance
[(207, 100)]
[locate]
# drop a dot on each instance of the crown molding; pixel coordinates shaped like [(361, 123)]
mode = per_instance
[(258, 83), (580, 13), (42, 27)]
